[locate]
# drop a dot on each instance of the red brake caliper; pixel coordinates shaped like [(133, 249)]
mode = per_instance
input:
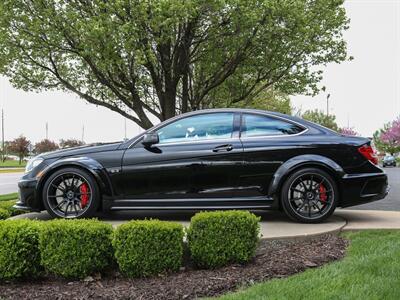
[(84, 190), (322, 193)]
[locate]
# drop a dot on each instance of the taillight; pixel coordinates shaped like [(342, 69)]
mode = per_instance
[(369, 153)]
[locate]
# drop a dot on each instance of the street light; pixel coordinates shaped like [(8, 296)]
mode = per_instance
[(327, 104)]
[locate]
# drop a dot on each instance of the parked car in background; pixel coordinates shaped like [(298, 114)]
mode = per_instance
[(389, 160), (210, 159)]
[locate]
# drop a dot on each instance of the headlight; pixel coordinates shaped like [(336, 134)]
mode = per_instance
[(32, 163)]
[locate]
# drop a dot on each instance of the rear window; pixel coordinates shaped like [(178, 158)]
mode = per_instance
[(259, 125)]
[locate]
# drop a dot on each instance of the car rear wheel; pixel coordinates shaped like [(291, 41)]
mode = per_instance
[(71, 193), (309, 195)]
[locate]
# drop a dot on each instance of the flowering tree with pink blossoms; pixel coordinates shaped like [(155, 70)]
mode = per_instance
[(348, 131), (392, 135), (388, 139)]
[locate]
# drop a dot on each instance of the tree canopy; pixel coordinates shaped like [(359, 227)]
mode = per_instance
[(387, 139), (267, 100), (319, 117), (20, 147), (69, 143), (348, 131), (165, 57), (45, 145)]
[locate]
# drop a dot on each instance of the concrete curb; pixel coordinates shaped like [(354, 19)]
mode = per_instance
[(273, 225), (306, 236)]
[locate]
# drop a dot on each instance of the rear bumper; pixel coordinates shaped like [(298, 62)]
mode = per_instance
[(357, 189), (27, 199)]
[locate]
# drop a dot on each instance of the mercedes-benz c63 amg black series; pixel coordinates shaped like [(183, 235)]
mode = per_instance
[(210, 159)]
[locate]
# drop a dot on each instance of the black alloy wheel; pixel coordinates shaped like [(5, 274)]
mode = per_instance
[(71, 193), (309, 195)]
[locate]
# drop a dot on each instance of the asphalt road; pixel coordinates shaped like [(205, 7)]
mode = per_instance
[(8, 184), (392, 201)]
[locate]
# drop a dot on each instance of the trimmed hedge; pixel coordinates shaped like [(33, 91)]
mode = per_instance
[(149, 247), (8, 206), (19, 249), (4, 214), (75, 248), (222, 237)]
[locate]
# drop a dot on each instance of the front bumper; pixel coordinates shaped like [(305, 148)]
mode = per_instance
[(27, 199), (357, 189)]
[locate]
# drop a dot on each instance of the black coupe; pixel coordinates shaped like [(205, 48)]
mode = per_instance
[(210, 159)]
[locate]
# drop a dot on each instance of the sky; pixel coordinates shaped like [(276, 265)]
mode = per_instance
[(364, 93)]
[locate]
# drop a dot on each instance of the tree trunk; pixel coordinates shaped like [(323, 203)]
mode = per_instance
[(185, 92), (169, 107)]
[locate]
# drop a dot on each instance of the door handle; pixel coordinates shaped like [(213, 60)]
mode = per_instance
[(223, 148)]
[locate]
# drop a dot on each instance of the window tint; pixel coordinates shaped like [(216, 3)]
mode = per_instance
[(201, 127), (258, 125)]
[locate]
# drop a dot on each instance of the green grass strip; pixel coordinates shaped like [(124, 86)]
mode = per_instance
[(370, 270), (6, 197)]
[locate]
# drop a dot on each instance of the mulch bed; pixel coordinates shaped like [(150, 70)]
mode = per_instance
[(275, 259)]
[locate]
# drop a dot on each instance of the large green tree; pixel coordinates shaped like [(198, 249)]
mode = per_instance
[(319, 117), (165, 57), (267, 100)]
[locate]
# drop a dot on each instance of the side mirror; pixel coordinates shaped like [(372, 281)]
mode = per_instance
[(150, 139)]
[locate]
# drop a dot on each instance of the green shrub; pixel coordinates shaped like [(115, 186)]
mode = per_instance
[(148, 247), (75, 248), (19, 249), (4, 214), (8, 205), (219, 238)]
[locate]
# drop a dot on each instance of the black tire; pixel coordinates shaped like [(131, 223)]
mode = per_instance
[(59, 187), (301, 195)]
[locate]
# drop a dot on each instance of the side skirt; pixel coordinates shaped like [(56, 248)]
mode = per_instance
[(190, 204)]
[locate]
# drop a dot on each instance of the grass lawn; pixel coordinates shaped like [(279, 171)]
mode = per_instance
[(370, 270), (6, 197), (12, 164), (13, 170)]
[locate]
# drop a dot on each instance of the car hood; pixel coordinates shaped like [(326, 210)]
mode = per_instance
[(91, 148)]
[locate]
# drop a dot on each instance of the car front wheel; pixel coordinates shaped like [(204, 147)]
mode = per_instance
[(309, 195), (71, 193)]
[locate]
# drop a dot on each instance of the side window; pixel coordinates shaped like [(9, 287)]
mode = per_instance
[(258, 125), (201, 127)]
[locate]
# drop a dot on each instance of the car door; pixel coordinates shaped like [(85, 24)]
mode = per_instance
[(193, 159), (268, 141)]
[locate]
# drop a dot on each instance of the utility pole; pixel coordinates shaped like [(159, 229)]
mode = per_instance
[(3, 150), (83, 133), (327, 104), (47, 130)]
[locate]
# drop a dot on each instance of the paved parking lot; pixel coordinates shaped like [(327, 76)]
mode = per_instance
[(8, 182)]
